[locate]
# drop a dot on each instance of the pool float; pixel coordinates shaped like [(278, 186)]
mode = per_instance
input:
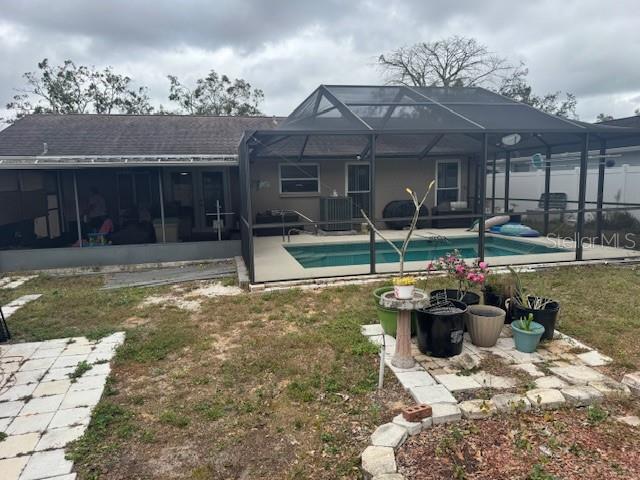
[(491, 222), (515, 230)]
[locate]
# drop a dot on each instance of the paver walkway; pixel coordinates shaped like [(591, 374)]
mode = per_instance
[(42, 408), (15, 282), (558, 365)]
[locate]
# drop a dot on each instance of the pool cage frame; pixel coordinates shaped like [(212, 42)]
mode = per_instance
[(458, 122)]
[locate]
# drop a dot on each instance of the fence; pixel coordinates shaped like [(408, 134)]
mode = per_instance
[(620, 186)]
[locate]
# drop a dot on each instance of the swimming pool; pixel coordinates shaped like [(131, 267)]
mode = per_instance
[(341, 254)]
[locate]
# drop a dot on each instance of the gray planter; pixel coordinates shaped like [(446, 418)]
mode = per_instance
[(484, 324)]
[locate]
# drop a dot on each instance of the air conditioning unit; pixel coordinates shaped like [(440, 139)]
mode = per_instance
[(336, 210)]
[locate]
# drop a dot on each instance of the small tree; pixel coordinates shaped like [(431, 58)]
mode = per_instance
[(216, 95), (418, 203)]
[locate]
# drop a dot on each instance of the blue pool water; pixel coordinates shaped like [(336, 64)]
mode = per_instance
[(340, 254)]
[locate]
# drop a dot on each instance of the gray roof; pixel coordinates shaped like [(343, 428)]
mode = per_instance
[(121, 135), (633, 122)]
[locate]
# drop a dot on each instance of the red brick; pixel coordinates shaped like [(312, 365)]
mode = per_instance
[(415, 413)]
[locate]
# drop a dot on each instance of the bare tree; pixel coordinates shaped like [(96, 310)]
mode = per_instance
[(451, 62)]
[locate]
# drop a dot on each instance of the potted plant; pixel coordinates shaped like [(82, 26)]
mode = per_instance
[(404, 286), (441, 328), (467, 276), (544, 310), (526, 334), (388, 316), (498, 288), (484, 323)]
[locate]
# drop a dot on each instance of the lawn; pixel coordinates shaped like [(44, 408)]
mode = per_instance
[(267, 385)]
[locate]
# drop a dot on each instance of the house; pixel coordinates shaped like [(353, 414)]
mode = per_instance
[(185, 188), (49, 165)]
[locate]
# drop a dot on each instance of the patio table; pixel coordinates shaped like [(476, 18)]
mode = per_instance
[(402, 357)]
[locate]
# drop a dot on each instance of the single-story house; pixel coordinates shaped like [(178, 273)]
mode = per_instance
[(176, 188)]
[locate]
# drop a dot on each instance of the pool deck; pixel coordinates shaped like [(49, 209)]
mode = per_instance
[(274, 263)]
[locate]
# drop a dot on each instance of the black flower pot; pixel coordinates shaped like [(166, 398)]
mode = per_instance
[(470, 298), (441, 329), (497, 300), (548, 317)]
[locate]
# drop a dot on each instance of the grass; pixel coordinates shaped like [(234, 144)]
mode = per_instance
[(266, 385), (82, 368)]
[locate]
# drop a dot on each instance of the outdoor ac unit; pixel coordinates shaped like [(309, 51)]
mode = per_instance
[(336, 210)]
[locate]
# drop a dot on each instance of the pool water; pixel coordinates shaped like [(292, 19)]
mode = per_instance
[(341, 254)]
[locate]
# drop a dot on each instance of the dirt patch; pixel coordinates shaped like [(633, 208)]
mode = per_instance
[(189, 298), (558, 445)]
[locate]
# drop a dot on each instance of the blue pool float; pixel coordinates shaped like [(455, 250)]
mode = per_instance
[(515, 230)]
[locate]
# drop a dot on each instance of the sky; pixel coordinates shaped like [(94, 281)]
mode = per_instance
[(288, 47)]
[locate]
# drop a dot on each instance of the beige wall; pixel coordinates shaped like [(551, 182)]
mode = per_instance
[(392, 177)]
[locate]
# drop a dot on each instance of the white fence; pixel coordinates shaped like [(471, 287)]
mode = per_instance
[(621, 184)]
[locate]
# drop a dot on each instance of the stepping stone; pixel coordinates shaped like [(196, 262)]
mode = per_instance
[(611, 388), (581, 396), (415, 379), (59, 437), (15, 445), (530, 369), (389, 435), (52, 388), (46, 464), (432, 394), (412, 428), (378, 461), (467, 361), (511, 402), (11, 467), (477, 409), (42, 405), (506, 343), (493, 381), (11, 409), (578, 375), (389, 476), (370, 330), (83, 398), (550, 382), (632, 380), (445, 413), (457, 383), (545, 398), (630, 420), (594, 358), (29, 424), (522, 357)]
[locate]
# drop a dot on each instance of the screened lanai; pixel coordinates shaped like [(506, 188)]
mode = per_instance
[(351, 149)]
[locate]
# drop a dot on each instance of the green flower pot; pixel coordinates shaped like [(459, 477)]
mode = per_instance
[(526, 341), (388, 317)]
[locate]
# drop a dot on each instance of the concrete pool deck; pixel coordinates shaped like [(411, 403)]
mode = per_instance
[(273, 263)]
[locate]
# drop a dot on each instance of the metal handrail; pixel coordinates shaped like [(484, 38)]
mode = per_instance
[(284, 211)]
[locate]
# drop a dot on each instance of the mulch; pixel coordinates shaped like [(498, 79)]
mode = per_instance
[(558, 445)]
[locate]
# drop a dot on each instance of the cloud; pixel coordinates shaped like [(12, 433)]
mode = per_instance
[(288, 47)]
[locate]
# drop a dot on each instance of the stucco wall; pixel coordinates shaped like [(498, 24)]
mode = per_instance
[(392, 177)]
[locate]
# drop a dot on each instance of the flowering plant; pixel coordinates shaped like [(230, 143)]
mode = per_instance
[(404, 281), (467, 275)]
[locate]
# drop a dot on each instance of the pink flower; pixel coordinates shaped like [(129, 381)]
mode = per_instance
[(430, 266), (483, 265), (480, 278)]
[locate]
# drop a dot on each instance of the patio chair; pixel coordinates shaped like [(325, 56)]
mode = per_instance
[(4, 328)]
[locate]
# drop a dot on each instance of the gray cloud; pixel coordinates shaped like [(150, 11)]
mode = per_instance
[(288, 47)]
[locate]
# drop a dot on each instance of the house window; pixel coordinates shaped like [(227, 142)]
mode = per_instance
[(447, 181), (299, 178)]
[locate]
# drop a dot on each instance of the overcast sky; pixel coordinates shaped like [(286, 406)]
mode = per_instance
[(289, 47)]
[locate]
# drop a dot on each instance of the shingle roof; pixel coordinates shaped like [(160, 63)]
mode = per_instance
[(633, 121), (83, 135)]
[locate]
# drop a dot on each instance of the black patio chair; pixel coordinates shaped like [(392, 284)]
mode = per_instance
[(4, 328)]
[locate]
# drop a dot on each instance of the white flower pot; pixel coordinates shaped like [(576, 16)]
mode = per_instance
[(404, 292)]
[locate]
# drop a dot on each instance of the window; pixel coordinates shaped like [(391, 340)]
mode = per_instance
[(299, 178), (447, 181)]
